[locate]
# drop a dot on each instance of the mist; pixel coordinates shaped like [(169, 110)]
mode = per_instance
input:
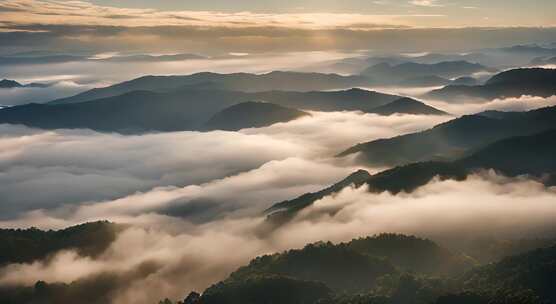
[(187, 197), (131, 214), (19, 96), (186, 257), (59, 163), (520, 104), (178, 192), (70, 78)]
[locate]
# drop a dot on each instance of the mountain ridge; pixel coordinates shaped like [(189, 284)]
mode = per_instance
[(406, 105), (512, 83), (513, 156), (182, 110), (408, 70), (251, 114), (276, 80), (454, 138)]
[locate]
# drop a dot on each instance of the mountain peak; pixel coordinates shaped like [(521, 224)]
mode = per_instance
[(527, 75), (406, 105), (252, 114), (7, 83)]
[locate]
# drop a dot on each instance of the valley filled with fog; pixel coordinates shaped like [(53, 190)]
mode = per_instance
[(143, 175)]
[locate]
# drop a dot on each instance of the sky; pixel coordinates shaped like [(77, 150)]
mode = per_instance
[(421, 13), (211, 27), (455, 12)]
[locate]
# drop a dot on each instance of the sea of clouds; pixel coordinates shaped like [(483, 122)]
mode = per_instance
[(188, 197)]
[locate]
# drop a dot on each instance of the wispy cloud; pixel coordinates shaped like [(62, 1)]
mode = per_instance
[(84, 13), (183, 165), (83, 26), (427, 3)]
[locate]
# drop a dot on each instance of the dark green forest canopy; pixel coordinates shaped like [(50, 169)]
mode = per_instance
[(385, 268), (28, 245), (526, 278)]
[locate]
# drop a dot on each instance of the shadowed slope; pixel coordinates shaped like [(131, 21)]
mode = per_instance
[(252, 115)]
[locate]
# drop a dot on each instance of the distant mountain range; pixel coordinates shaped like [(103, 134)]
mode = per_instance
[(454, 138), (405, 72), (530, 49), (244, 82), (544, 61), (10, 84), (356, 65), (251, 115), (435, 81), (425, 81), (186, 109), (502, 58), (512, 83)]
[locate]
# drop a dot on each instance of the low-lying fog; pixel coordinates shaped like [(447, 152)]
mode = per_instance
[(184, 257), (78, 166), (190, 196)]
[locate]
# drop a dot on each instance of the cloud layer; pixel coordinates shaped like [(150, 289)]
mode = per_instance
[(184, 257), (189, 197), (523, 103), (74, 77), (85, 13), (74, 26), (61, 163)]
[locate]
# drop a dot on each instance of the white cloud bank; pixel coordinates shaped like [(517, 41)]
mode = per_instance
[(189, 197), (191, 257), (66, 167), (519, 104)]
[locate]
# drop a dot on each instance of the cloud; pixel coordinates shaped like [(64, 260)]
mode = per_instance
[(59, 163), (85, 13), (523, 103), (484, 205), (83, 26), (184, 257), (81, 75), (189, 197), (344, 129), (427, 3), (18, 96), (180, 235), (220, 39)]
